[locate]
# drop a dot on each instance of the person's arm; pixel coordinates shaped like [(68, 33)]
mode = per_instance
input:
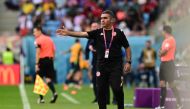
[(37, 45), (65, 52), (65, 32), (128, 55), (125, 43), (165, 48), (54, 49), (163, 52), (127, 67), (37, 59)]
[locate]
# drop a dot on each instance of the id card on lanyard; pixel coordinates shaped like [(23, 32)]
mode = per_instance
[(107, 48)]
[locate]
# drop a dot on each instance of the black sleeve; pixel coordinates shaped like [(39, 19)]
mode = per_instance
[(91, 42), (124, 40), (92, 34), (87, 50)]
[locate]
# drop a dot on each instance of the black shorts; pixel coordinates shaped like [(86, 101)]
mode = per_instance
[(46, 67), (167, 71), (75, 67)]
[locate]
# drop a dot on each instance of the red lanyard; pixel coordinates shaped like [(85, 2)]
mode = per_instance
[(105, 38)]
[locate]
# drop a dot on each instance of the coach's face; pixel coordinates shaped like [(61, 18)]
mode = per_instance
[(106, 21)]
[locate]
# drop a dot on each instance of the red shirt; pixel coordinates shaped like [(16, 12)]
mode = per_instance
[(46, 45), (169, 44)]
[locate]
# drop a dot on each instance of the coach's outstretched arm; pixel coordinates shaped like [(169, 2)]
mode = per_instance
[(64, 32)]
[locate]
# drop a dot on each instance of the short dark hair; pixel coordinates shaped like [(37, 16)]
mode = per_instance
[(8, 49), (38, 27), (167, 29), (109, 12)]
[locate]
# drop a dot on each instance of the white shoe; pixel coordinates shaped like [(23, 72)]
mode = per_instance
[(179, 106), (39, 101), (160, 107)]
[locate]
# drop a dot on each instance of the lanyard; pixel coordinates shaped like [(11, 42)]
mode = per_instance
[(105, 43)]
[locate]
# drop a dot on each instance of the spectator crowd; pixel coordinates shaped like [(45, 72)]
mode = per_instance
[(133, 16)]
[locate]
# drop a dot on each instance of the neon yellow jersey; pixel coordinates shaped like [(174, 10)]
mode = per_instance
[(75, 52), (8, 58)]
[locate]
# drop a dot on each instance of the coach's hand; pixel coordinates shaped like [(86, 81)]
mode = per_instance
[(127, 68), (62, 31)]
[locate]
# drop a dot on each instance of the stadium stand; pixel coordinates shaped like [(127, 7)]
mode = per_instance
[(137, 15)]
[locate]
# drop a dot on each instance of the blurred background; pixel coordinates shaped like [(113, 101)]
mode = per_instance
[(141, 21)]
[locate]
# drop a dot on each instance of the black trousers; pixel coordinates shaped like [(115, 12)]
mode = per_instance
[(111, 74), (94, 81)]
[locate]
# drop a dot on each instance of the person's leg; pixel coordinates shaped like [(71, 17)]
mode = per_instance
[(70, 74), (114, 100), (107, 88), (94, 83), (49, 76), (155, 78), (148, 73), (41, 74), (69, 78), (163, 77), (171, 77), (176, 93), (77, 79), (163, 93), (116, 82), (102, 82), (52, 88)]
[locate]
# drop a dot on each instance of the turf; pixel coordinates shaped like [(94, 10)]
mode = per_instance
[(10, 98)]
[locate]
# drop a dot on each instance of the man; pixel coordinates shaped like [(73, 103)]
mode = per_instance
[(91, 47), (75, 51), (148, 59), (108, 43), (8, 57), (167, 67), (45, 52)]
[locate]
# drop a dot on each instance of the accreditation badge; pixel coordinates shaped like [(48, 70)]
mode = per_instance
[(106, 53)]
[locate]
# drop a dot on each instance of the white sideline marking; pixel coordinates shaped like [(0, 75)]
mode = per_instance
[(70, 98), (25, 103)]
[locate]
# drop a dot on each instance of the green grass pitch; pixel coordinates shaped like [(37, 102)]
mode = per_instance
[(10, 98)]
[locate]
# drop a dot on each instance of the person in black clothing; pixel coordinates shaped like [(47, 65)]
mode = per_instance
[(90, 47), (108, 43)]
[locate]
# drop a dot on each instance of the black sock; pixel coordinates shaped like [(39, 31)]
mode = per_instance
[(163, 96), (76, 82), (41, 97), (67, 81), (51, 86), (176, 93)]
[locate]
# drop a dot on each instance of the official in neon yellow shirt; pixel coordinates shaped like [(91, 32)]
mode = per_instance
[(8, 57)]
